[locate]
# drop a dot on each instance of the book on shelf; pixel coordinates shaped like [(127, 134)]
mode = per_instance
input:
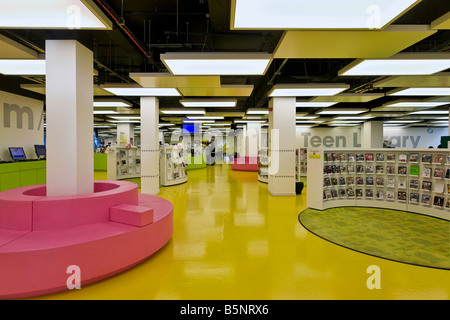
[(379, 194), (350, 193), (360, 169), (380, 157), (390, 170), (426, 173), (342, 181), (414, 170), (438, 201), (438, 173), (380, 169), (402, 184), (447, 174), (369, 193), (380, 182), (390, 195), (359, 193), (402, 170), (426, 158), (447, 203), (369, 181), (369, 169), (390, 183), (350, 181), (413, 157), (351, 168), (426, 185), (438, 159), (448, 188), (413, 197), (414, 184), (359, 181), (426, 199), (334, 193), (401, 196), (402, 158), (359, 157), (390, 157), (369, 157), (342, 193), (351, 157), (342, 157)]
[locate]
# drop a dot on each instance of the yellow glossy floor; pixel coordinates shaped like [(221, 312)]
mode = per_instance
[(232, 240)]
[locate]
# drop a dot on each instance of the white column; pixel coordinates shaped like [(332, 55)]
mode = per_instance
[(282, 147), (372, 134), (253, 139), (149, 145), (125, 134), (69, 113)]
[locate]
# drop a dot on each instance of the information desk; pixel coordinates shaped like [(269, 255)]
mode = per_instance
[(22, 174)]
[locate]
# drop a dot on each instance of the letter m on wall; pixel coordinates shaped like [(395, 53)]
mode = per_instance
[(19, 112)]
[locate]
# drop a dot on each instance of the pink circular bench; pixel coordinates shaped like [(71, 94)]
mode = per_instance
[(103, 234), (245, 164)]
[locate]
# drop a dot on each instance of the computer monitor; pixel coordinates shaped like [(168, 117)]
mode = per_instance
[(41, 151), (17, 153)]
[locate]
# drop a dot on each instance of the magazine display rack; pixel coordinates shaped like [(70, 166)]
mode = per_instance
[(415, 180), (300, 164), (172, 165), (123, 163), (263, 164)]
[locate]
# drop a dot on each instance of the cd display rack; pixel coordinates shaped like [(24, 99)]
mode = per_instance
[(172, 165), (415, 180), (123, 163)]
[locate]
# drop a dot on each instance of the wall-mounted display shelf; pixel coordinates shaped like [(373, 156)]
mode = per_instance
[(415, 180), (263, 164), (123, 163), (301, 164), (172, 165)]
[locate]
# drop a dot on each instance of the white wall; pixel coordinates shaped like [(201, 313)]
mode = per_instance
[(351, 137), (25, 127)]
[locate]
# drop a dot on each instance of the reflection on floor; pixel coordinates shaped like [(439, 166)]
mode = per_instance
[(232, 240)]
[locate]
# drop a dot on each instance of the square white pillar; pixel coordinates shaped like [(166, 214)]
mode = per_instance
[(125, 134), (69, 116), (253, 139), (149, 145), (372, 134), (282, 147)]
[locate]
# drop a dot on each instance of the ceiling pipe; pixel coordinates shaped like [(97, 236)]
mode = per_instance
[(124, 28)]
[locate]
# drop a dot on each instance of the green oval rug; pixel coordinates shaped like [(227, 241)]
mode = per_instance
[(395, 235)]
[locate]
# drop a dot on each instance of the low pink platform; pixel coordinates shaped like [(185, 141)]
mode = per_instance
[(245, 164), (103, 233)]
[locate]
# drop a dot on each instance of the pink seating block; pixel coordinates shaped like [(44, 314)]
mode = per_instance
[(246, 164), (42, 235), (137, 216)]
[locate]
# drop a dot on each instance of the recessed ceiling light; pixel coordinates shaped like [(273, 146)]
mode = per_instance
[(216, 63), (126, 118), (314, 104), (422, 92), (105, 112), (110, 104), (182, 111), (403, 121), (205, 118), (353, 118), (197, 121), (307, 90), (324, 14), (400, 64), (258, 111), (341, 111), (209, 103), (143, 92), (248, 121), (124, 121), (30, 67), (431, 112), (306, 117), (418, 104), (52, 14)]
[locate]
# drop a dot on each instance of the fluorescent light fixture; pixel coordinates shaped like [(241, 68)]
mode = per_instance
[(167, 125), (349, 121), (205, 118), (304, 126), (105, 112), (197, 121), (310, 121), (314, 104), (445, 91), (126, 118), (344, 125), (258, 111), (324, 14), (341, 111), (431, 112), (399, 64), (249, 121), (29, 67), (111, 104), (182, 111), (403, 121), (352, 118), (124, 121), (307, 90), (306, 117), (216, 63), (418, 104), (143, 92), (209, 103), (220, 124), (52, 14)]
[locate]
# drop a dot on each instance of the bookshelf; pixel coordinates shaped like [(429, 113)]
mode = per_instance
[(415, 180), (123, 163), (172, 165)]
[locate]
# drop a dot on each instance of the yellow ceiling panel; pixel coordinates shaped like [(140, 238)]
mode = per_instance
[(442, 23), (223, 91), (336, 44), (10, 49), (441, 79), (349, 97), (40, 88), (167, 80)]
